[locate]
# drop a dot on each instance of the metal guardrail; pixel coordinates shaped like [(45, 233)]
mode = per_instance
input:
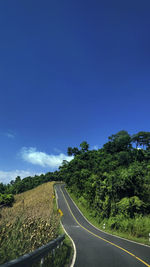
[(30, 258), (3, 205)]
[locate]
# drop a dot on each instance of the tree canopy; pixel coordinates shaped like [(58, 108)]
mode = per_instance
[(114, 179)]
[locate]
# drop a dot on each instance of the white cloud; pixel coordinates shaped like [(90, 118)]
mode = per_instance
[(95, 147), (7, 176), (33, 156)]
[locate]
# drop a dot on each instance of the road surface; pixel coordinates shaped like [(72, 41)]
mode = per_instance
[(95, 248)]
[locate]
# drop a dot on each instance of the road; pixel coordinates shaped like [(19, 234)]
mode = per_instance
[(94, 248)]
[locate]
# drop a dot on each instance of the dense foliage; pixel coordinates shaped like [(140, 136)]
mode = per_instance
[(6, 199), (113, 180)]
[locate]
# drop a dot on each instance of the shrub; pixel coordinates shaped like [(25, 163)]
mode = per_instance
[(130, 206), (6, 199)]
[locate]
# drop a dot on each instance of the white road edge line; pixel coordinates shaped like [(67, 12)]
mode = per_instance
[(74, 246), (102, 230)]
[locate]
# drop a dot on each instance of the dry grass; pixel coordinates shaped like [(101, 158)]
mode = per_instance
[(29, 224)]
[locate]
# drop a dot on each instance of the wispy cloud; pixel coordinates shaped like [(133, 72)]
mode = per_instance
[(7, 176), (10, 134), (57, 150), (43, 159)]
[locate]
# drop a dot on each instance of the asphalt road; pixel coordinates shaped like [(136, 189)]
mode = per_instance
[(95, 248)]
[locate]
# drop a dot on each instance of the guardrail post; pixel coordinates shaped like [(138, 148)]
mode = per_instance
[(42, 261), (53, 256)]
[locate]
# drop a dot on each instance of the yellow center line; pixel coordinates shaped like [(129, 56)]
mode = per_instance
[(146, 264)]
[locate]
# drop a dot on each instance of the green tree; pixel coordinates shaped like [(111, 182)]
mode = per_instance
[(141, 139), (118, 142), (84, 146), (69, 151), (73, 151)]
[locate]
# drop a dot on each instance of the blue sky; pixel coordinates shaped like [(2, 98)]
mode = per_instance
[(69, 71)]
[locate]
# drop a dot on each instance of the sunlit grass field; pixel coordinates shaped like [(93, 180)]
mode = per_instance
[(29, 224)]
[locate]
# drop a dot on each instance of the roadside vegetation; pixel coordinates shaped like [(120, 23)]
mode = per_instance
[(6, 199), (29, 224), (112, 184), (133, 229)]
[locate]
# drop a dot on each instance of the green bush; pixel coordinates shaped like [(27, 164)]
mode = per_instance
[(83, 201), (6, 199), (129, 207)]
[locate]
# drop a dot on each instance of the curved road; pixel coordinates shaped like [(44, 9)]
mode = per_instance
[(94, 247)]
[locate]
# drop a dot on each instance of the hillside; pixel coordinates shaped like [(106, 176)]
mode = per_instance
[(113, 183), (29, 224)]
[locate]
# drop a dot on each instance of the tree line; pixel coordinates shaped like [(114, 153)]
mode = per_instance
[(17, 186)]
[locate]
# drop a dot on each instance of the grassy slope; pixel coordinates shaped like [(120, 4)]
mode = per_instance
[(29, 224), (142, 225)]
